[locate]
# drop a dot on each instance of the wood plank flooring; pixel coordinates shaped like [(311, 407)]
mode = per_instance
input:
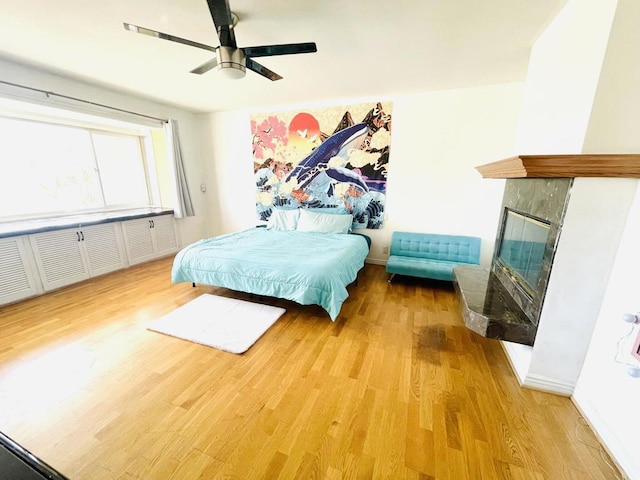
[(396, 388)]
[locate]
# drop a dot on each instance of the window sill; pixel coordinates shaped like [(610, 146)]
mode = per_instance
[(14, 229)]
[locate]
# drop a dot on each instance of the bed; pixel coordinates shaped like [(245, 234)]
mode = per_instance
[(308, 267)]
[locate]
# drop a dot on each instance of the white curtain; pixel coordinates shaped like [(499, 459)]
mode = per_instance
[(182, 205)]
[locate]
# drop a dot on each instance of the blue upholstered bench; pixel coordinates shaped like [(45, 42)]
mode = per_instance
[(428, 255)]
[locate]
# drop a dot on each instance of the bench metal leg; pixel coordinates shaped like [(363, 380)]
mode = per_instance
[(391, 277)]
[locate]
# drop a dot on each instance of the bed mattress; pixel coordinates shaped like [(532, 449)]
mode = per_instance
[(306, 267)]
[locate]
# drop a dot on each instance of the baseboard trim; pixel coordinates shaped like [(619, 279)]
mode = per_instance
[(376, 261), (546, 384), (513, 358), (622, 458), (533, 381)]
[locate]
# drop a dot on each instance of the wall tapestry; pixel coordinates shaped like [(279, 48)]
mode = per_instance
[(334, 159)]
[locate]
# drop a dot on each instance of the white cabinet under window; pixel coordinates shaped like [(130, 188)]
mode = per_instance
[(67, 256), (18, 278), (104, 248), (31, 264), (149, 238)]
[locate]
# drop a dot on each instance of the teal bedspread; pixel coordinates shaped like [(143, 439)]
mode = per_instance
[(308, 268)]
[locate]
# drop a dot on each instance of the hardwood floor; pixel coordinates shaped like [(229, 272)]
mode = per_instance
[(396, 388)]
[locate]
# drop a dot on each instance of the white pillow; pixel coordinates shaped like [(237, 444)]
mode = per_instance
[(324, 222), (283, 219)]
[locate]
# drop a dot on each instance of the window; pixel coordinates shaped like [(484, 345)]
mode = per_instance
[(121, 167), (55, 166)]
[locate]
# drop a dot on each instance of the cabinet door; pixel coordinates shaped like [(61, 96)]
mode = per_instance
[(59, 257), (164, 235), (104, 248), (17, 278), (138, 240)]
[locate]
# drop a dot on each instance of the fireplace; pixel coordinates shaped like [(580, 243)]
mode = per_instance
[(530, 225), (504, 300), (521, 248), (508, 296)]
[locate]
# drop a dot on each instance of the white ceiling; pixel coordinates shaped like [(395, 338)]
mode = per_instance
[(366, 48)]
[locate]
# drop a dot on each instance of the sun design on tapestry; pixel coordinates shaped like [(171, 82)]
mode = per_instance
[(297, 164)]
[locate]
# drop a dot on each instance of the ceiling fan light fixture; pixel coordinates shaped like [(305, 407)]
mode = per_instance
[(232, 63)]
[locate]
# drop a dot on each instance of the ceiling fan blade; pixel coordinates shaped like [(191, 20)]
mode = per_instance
[(227, 37), (166, 36), (224, 22), (262, 70), (205, 67), (220, 12), (285, 49)]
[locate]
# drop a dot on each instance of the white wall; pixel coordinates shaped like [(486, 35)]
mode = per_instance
[(437, 140), (615, 118), (582, 95), (563, 74), (607, 396), (591, 232), (230, 171), (191, 229), (605, 393), (561, 86)]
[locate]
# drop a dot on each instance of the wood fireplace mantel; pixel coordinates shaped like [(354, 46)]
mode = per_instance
[(550, 166)]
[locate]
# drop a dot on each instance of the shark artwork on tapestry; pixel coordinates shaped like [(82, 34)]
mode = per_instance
[(316, 169), (344, 172)]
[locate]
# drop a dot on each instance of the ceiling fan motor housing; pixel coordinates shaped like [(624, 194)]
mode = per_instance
[(231, 62)]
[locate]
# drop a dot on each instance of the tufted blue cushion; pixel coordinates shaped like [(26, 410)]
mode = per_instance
[(429, 255)]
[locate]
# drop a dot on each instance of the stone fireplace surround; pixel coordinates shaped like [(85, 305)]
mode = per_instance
[(492, 304)]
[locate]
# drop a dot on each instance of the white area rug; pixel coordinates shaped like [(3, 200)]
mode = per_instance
[(219, 322)]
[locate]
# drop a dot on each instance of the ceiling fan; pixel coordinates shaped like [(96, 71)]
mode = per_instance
[(231, 60)]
